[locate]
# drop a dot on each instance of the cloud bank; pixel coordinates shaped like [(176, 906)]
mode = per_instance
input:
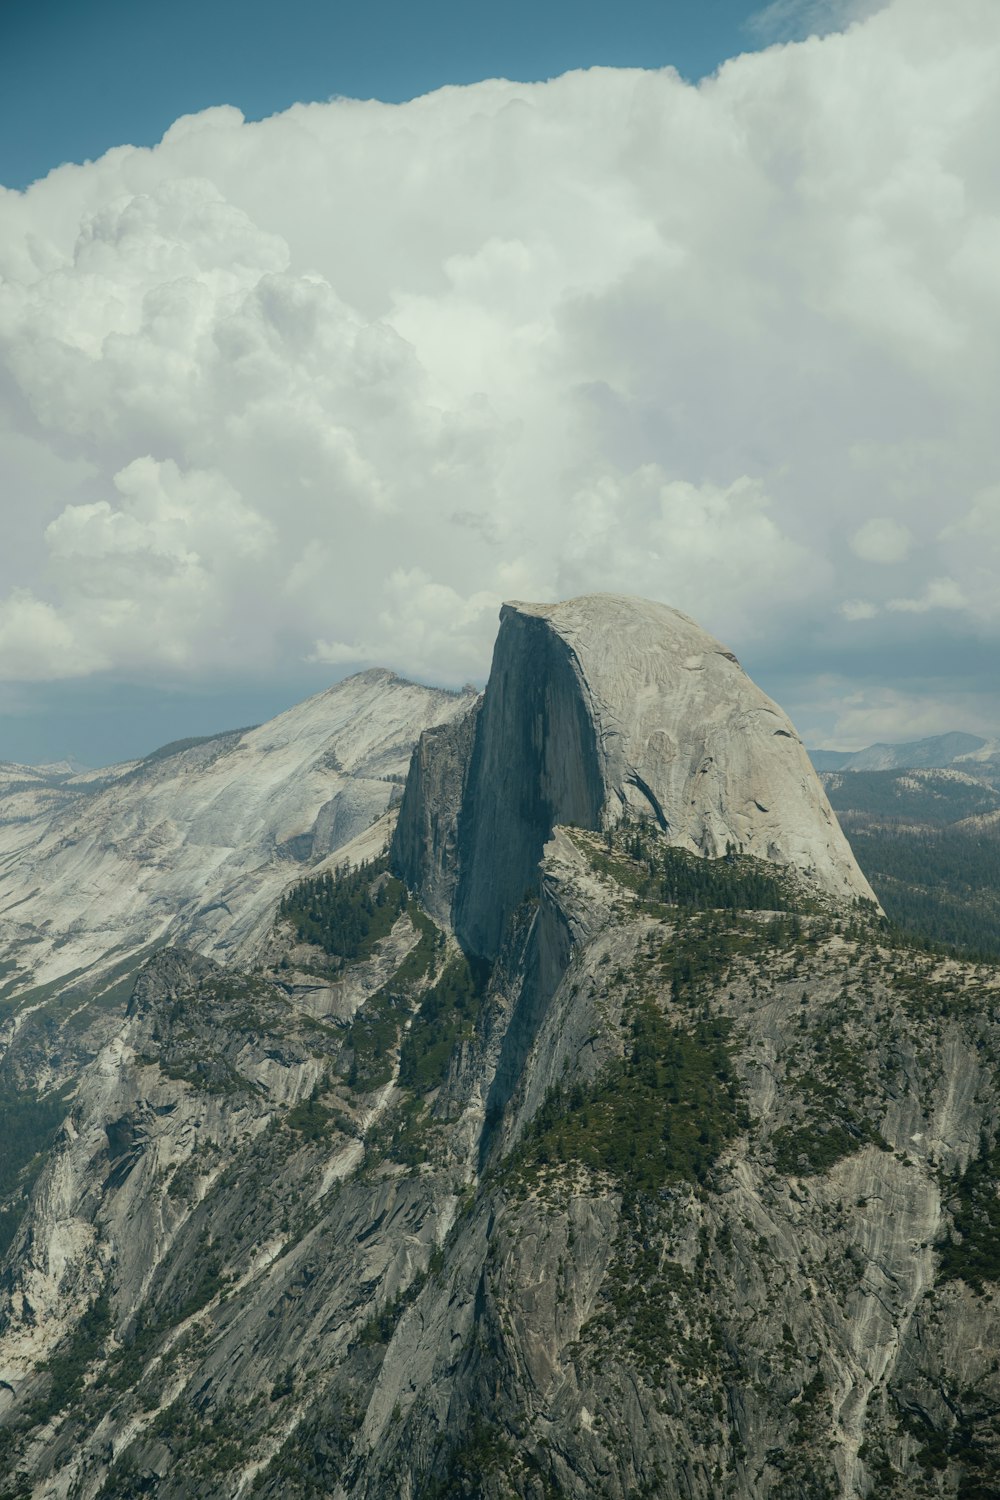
[(330, 386)]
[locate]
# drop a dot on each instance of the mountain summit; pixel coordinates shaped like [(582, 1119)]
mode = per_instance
[(600, 709)]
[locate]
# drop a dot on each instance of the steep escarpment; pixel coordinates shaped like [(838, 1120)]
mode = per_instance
[(608, 707), (425, 841), (534, 764)]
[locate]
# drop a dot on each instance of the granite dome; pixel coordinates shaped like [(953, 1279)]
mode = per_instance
[(605, 706)]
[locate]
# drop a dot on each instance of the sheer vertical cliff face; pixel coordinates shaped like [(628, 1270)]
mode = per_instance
[(535, 763), (425, 841), (597, 708)]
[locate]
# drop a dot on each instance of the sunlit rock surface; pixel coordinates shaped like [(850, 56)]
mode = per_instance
[(196, 846), (690, 1192), (601, 708)]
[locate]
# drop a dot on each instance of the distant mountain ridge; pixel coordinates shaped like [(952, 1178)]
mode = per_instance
[(928, 836), (937, 751)]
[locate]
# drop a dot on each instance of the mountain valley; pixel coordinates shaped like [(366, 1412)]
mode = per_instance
[(928, 838)]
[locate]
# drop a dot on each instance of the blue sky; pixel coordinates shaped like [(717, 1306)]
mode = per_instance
[(80, 76), (293, 389)]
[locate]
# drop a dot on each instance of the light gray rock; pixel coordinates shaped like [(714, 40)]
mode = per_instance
[(197, 847), (607, 706)]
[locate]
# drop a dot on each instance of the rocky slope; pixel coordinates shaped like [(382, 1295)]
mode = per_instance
[(682, 1184), (196, 846)]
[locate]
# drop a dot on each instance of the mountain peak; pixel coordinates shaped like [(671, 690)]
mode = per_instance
[(606, 706)]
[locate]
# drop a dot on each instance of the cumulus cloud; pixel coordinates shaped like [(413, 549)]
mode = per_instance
[(37, 645), (981, 521), (151, 577), (940, 593), (882, 540), (887, 716), (858, 609), (329, 386)]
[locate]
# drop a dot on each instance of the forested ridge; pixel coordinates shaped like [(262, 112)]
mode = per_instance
[(929, 843)]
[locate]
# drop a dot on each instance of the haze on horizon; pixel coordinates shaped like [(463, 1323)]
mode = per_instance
[(285, 398)]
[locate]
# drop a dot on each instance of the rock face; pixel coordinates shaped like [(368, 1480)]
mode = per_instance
[(425, 841), (599, 708), (689, 1193), (196, 846)]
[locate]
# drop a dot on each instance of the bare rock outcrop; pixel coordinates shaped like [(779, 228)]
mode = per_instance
[(425, 843), (595, 709)]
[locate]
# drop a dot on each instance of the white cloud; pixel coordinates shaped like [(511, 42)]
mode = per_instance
[(882, 540), (331, 385), (709, 549), (981, 521), (36, 645), (150, 578), (886, 716), (940, 593), (858, 609)]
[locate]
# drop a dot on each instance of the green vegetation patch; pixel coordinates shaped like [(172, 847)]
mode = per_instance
[(485, 1450), (810, 1149), (375, 1030), (68, 1366), (448, 1014), (942, 886), (207, 1448), (914, 797), (662, 1112), (836, 1123), (311, 1460), (211, 1075), (346, 912), (374, 1036), (640, 859), (968, 1440), (208, 1280), (975, 1259), (404, 1134), (703, 948), (665, 1317), (644, 1294), (310, 1118)]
